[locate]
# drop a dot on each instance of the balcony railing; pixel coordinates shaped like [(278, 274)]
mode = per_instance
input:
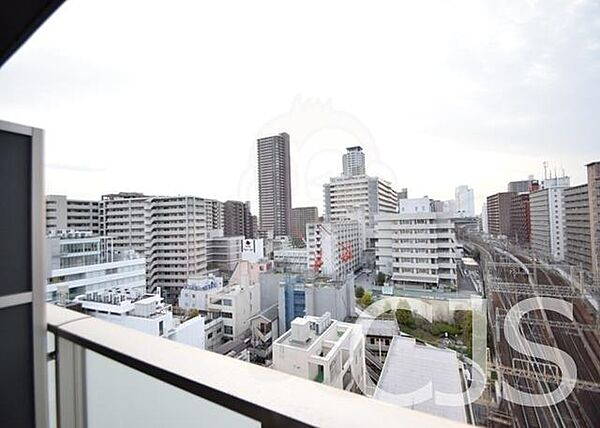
[(103, 374)]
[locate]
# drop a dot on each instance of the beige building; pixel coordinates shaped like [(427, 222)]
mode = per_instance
[(577, 227), (593, 173), (169, 231)]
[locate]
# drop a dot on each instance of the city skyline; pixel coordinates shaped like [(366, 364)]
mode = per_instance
[(472, 101)]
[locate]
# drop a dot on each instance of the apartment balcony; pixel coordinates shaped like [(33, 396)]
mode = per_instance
[(103, 374)]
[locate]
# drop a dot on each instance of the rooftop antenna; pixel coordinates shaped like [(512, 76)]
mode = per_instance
[(545, 170)]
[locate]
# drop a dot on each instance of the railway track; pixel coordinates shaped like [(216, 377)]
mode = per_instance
[(580, 339)]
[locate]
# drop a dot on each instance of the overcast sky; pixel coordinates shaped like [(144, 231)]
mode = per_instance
[(169, 97)]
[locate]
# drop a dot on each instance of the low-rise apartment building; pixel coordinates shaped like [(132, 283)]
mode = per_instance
[(326, 351)]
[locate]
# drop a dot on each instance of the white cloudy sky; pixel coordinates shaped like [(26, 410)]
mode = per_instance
[(169, 97)]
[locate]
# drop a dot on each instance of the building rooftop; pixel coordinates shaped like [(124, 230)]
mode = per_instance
[(310, 330), (410, 367), (375, 327), (270, 314)]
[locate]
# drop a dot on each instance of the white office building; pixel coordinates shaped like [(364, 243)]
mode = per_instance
[(253, 250), (465, 201), (547, 214), (345, 194), (323, 350), (195, 294), (144, 312), (484, 219), (415, 205), (170, 231), (238, 301), (418, 250), (79, 262), (72, 214), (334, 248)]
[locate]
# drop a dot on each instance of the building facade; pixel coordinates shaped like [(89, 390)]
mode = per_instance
[(523, 186), (324, 295), (417, 250), (301, 216), (578, 251), (548, 239), (170, 231), (291, 260), (344, 195), (274, 184), (353, 162), (593, 175), (465, 201), (520, 219), (323, 350), (195, 294), (215, 214), (238, 219), (264, 330), (73, 214), (223, 253), (79, 262), (499, 213), (143, 312), (334, 248)]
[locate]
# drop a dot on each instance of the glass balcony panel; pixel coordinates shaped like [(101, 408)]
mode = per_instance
[(118, 396)]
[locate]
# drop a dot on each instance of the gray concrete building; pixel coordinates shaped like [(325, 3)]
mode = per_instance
[(302, 216), (322, 294), (238, 219), (169, 231), (71, 214), (577, 227), (274, 184), (215, 214), (593, 174), (223, 252)]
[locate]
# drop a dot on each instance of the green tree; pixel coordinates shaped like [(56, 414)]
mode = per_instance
[(405, 318), (366, 300), (381, 277), (359, 292)]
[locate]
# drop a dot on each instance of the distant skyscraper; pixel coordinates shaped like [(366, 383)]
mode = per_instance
[(355, 193), (274, 184), (465, 201), (354, 162)]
